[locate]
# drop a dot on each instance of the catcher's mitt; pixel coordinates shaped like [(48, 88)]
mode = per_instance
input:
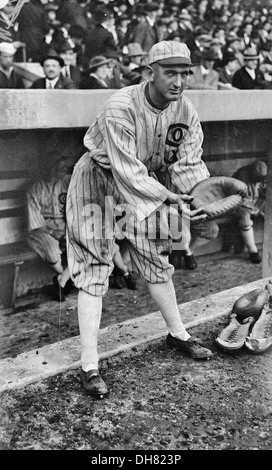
[(250, 304), (219, 196)]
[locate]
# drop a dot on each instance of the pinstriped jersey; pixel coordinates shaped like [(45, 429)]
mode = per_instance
[(134, 139), (46, 204)]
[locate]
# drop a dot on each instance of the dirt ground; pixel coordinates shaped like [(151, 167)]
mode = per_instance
[(39, 321), (159, 399)]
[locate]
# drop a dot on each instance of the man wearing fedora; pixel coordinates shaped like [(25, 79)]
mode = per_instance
[(8, 77), (250, 77), (52, 65), (97, 73)]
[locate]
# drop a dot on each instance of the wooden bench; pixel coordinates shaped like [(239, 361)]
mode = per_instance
[(12, 257)]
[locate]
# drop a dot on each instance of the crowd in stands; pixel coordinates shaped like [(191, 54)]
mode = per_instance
[(104, 43)]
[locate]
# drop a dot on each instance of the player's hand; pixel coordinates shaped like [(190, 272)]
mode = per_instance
[(183, 203)]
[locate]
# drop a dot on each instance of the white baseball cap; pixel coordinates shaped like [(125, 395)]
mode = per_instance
[(170, 53), (7, 48)]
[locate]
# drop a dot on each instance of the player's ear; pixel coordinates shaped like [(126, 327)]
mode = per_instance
[(150, 73)]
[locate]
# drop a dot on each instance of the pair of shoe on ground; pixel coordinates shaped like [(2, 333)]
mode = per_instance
[(93, 383), (254, 331)]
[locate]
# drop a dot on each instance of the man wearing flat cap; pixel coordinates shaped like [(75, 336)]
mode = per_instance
[(52, 66), (8, 77), (143, 158)]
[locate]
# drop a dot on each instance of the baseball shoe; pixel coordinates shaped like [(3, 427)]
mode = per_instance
[(260, 338), (93, 383), (130, 282), (233, 337), (192, 347), (255, 258), (190, 261)]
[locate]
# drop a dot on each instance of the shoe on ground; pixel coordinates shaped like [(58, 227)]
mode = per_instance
[(130, 282), (192, 347), (260, 338), (190, 261), (233, 337), (116, 281), (93, 383), (255, 258)]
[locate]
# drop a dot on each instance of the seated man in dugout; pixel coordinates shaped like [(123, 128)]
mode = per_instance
[(46, 201), (238, 230)]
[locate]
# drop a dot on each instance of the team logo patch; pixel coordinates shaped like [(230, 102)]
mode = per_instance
[(175, 134), (62, 201)]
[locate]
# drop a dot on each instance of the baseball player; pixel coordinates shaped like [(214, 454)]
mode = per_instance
[(46, 201), (144, 153)]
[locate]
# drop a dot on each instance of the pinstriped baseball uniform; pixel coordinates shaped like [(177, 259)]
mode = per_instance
[(128, 143), (46, 208)]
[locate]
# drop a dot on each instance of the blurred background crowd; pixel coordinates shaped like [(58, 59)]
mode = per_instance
[(104, 43)]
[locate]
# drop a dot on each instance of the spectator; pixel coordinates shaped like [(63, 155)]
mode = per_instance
[(185, 24), (135, 54), (67, 53), (216, 48), (8, 77), (234, 44), (78, 37), (203, 76), (100, 39), (52, 65), (95, 75), (245, 33), (71, 13), (146, 32), (199, 43), (229, 66), (122, 23), (250, 76), (46, 219), (33, 26)]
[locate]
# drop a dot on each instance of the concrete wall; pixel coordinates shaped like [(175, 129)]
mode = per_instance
[(237, 128)]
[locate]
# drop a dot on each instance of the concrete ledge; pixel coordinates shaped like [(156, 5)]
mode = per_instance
[(38, 364)]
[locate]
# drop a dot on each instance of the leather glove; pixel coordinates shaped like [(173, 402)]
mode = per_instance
[(218, 196)]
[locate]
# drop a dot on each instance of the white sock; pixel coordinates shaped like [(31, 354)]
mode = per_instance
[(165, 297), (89, 316)]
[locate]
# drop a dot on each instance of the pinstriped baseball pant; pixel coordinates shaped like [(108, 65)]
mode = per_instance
[(47, 247), (90, 258)]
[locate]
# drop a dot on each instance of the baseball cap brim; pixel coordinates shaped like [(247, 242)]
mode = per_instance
[(175, 61)]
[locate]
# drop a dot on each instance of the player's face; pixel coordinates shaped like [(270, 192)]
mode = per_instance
[(167, 83)]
